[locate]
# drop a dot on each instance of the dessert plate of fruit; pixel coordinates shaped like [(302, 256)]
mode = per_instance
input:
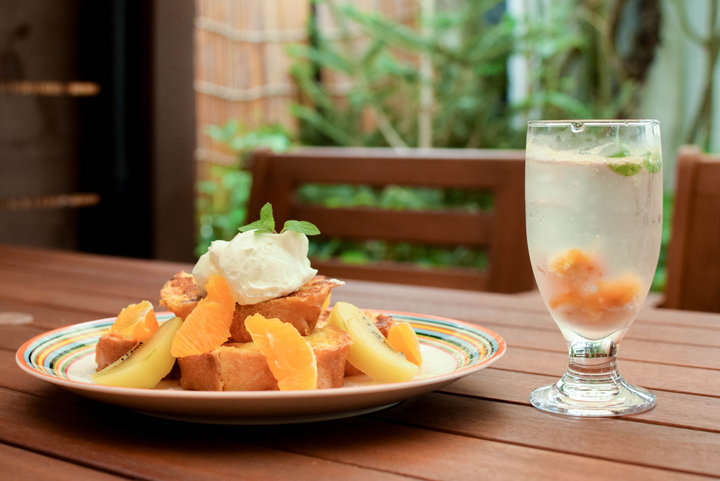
[(251, 337), (449, 350)]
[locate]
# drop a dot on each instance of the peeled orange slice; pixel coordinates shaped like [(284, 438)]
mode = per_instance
[(207, 327), (290, 356), (136, 321), (402, 338)]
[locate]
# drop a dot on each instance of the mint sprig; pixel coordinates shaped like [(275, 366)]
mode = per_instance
[(266, 224), (651, 162), (626, 169)]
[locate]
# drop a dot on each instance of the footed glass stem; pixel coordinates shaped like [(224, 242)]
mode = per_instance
[(592, 385)]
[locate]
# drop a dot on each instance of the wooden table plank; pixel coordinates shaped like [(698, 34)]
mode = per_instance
[(673, 409), (481, 427), (444, 456), (134, 445), (669, 448), (346, 449), (629, 349), (21, 465), (652, 376), (47, 317)]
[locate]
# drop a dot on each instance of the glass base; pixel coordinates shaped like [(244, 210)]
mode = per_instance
[(575, 396)]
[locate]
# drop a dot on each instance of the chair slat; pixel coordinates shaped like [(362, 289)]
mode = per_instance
[(693, 268), (427, 227), (403, 273), (501, 231)]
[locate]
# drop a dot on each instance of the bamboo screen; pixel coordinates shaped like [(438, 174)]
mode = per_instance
[(241, 68), (241, 64)]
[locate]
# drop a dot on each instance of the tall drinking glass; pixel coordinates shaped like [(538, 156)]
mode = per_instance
[(593, 193)]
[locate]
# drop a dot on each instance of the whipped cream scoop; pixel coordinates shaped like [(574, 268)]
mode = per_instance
[(257, 266)]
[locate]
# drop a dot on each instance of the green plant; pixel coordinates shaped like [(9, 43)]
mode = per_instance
[(588, 58), (459, 101), (446, 82), (243, 142), (223, 195)]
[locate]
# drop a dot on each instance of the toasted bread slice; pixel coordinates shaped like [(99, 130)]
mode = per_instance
[(111, 347), (180, 294), (231, 367), (242, 367), (300, 308)]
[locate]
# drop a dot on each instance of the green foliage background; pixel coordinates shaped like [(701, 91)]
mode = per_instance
[(587, 59)]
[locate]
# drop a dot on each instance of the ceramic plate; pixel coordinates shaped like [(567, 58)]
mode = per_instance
[(451, 349)]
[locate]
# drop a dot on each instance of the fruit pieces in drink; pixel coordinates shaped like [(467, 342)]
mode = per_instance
[(575, 269), (579, 287)]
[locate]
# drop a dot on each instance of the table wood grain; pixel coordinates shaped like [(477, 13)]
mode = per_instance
[(480, 427)]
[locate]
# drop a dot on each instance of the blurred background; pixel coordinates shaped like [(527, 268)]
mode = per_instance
[(126, 125)]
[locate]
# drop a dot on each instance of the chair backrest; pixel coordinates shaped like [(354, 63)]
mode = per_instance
[(693, 268), (501, 230)]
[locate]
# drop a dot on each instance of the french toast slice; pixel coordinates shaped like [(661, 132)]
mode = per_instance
[(180, 294), (111, 347), (242, 367), (300, 308)]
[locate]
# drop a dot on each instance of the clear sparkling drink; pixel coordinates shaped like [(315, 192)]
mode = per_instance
[(594, 224), (593, 205)]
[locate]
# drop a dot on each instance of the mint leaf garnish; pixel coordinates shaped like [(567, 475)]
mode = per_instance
[(626, 169), (266, 224), (266, 217), (301, 226), (257, 225), (652, 162)]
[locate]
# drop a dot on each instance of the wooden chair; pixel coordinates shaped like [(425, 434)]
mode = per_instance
[(693, 268), (277, 177)]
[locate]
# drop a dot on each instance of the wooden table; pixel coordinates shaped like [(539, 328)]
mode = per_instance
[(480, 427)]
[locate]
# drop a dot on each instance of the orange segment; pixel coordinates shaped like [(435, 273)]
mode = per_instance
[(207, 327), (290, 356), (617, 292), (578, 283), (136, 321), (575, 269), (402, 337)]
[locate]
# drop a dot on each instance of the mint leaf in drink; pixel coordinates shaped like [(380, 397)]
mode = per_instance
[(652, 162), (626, 169), (266, 224), (616, 150), (619, 153), (301, 226)]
